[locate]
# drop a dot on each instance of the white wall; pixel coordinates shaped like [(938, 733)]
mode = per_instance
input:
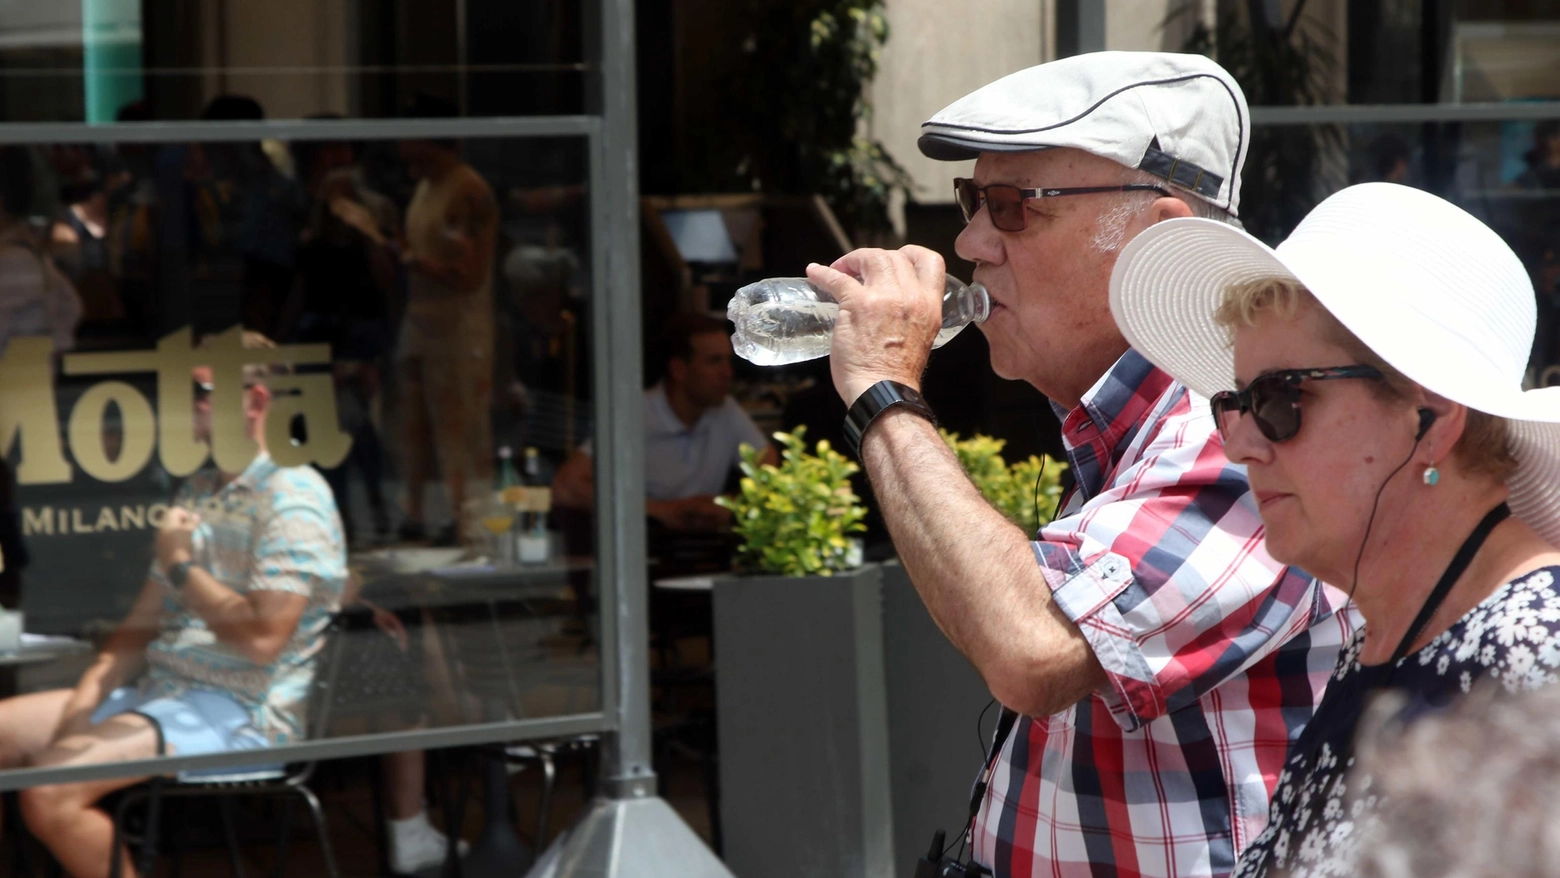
[(314, 37), (938, 52)]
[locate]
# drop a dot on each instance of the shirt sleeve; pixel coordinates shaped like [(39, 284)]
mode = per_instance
[(300, 547), (1165, 574)]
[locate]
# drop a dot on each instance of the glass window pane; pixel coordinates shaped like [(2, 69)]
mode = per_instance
[(283, 415), (1506, 173)]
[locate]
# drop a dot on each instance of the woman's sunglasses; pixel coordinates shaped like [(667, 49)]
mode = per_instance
[(1274, 400), (1005, 204)]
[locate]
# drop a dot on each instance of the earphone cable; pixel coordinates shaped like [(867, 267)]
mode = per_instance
[(1370, 522)]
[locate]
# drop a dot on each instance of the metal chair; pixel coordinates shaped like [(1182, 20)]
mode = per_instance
[(287, 784)]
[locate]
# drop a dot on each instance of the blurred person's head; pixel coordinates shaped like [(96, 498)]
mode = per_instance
[(428, 157), (16, 183), (1469, 793), (257, 395), (317, 159), (1389, 156), (1172, 127), (1367, 374), (1546, 144), (697, 364), (232, 108)]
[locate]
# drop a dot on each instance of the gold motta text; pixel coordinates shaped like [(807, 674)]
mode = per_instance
[(29, 413)]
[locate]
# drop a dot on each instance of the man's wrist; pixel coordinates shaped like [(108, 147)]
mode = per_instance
[(856, 388), (877, 401), (178, 573)]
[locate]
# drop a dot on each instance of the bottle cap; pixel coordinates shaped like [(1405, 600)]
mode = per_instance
[(531, 452), (504, 451)]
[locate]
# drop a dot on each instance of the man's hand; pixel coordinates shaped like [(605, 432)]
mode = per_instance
[(175, 537), (890, 313), (690, 513)]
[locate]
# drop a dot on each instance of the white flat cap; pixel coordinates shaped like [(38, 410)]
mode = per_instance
[(1179, 117)]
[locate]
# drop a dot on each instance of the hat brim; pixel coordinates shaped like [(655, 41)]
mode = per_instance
[(947, 148), (1170, 280)]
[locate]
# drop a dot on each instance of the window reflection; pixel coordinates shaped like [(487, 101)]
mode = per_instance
[(290, 367)]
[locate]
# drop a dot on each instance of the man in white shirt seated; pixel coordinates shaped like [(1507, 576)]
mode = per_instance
[(693, 432)]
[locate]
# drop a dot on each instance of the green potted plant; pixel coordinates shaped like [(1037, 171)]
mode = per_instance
[(796, 518), (1026, 492), (799, 672)]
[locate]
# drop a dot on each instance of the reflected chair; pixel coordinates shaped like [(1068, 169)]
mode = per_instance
[(496, 649), (287, 784)]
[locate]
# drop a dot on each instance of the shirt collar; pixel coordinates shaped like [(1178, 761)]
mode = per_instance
[(1109, 416), (257, 472), (664, 419)]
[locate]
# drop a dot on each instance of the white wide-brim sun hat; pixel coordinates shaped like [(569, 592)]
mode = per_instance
[(1429, 288)]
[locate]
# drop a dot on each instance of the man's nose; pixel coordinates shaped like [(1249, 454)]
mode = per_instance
[(979, 242)]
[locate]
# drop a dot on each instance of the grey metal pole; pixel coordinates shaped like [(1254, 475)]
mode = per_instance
[(628, 831), (620, 494)]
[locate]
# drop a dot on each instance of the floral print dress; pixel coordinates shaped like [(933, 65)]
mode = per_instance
[(1513, 636)]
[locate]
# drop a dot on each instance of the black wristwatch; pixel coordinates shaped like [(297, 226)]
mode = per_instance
[(178, 574), (880, 396)]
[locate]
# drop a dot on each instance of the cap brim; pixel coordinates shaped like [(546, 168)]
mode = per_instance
[(951, 148)]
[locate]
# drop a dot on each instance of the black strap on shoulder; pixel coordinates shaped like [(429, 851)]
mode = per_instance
[(1460, 562)]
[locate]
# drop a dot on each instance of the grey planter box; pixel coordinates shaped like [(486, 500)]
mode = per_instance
[(934, 699), (847, 725), (803, 717)]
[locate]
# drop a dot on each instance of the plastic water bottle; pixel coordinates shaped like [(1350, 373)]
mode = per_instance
[(786, 320)]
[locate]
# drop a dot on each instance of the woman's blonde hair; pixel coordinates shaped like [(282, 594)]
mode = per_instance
[(1484, 447)]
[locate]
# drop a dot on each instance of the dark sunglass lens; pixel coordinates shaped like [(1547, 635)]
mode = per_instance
[(1275, 405), (1006, 206)]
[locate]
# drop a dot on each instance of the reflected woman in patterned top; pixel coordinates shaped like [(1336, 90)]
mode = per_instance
[(219, 651), (1379, 354)]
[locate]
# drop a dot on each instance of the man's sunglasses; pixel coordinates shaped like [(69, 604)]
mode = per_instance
[(1005, 204), (1274, 400)]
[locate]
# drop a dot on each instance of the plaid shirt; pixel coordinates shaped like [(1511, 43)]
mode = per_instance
[(1216, 654)]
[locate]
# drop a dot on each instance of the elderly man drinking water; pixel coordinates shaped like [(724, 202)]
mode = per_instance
[(1154, 661)]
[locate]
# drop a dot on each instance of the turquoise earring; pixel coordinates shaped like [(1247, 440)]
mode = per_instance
[(1432, 475)]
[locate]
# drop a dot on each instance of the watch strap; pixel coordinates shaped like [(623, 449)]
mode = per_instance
[(877, 399), (178, 574)]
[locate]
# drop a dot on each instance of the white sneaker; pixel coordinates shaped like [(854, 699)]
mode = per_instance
[(416, 845)]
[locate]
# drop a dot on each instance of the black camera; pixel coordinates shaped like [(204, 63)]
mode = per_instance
[(935, 865)]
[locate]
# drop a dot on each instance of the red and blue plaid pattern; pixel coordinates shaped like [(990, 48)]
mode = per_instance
[(1216, 654)]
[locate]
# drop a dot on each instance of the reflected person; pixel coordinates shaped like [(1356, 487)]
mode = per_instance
[(218, 652), (444, 354), (693, 433)]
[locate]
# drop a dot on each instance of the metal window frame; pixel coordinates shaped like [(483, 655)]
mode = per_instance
[(1334, 114)]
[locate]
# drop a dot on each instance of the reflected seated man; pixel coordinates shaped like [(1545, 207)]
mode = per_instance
[(694, 431), (217, 654)]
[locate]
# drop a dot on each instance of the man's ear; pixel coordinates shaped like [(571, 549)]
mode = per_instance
[(1168, 208)]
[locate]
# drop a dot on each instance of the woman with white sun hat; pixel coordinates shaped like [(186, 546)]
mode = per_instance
[(1368, 373)]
